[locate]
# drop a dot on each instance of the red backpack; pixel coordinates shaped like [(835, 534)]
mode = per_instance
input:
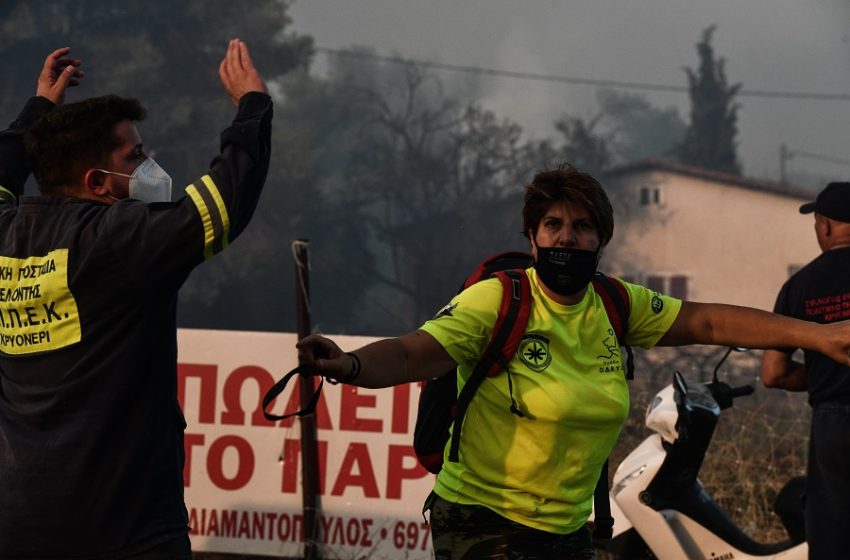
[(440, 405)]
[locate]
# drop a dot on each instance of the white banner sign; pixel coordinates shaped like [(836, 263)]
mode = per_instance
[(243, 473)]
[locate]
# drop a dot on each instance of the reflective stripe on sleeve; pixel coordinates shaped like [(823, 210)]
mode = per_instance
[(213, 212), (6, 195)]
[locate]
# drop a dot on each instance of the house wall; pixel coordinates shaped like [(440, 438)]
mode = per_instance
[(734, 244)]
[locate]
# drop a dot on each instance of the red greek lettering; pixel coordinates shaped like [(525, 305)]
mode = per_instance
[(267, 525), (366, 541), (284, 527), (397, 472), (228, 523), (356, 458), (244, 526), (337, 534), (233, 391), (245, 462), (298, 527), (212, 524), (352, 400), (258, 525), (272, 517), (352, 532)]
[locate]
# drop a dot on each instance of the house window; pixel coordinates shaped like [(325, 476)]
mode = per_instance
[(655, 283), (676, 285), (650, 195)]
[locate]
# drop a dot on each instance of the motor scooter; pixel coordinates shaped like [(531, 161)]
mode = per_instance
[(660, 508)]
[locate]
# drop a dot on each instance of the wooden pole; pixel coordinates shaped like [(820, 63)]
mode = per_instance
[(311, 504)]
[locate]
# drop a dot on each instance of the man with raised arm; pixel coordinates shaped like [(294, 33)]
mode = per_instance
[(91, 433)]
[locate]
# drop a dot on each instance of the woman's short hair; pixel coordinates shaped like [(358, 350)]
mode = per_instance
[(567, 184)]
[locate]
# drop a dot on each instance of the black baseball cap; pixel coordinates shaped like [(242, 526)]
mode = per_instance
[(833, 202)]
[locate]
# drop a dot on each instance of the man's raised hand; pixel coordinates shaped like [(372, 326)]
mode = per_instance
[(237, 72), (58, 74)]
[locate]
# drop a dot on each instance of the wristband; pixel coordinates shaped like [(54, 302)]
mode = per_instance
[(356, 366), (352, 375)]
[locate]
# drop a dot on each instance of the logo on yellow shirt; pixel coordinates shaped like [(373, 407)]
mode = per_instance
[(534, 352), (611, 346), (657, 303), (611, 361)]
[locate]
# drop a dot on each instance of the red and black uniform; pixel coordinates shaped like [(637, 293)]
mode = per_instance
[(91, 434), (820, 292)]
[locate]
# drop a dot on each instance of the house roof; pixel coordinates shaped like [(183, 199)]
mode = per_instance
[(652, 164)]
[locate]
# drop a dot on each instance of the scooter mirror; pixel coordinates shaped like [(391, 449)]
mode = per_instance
[(680, 390), (723, 359), (680, 386)]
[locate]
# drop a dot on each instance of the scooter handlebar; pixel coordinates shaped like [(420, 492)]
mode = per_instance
[(724, 394), (741, 391)]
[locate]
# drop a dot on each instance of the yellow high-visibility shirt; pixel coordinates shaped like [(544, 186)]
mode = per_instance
[(568, 379)]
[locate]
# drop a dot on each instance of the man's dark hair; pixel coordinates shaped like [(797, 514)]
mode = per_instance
[(571, 185), (72, 138)]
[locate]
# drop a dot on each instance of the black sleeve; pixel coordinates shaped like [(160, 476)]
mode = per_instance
[(15, 166), (162, 242), (781, 304), (241, 168)]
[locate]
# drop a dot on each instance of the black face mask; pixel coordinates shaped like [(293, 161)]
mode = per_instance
[(565, 271)]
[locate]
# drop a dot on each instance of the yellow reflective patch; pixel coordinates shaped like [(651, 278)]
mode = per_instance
[(209, 234), (222, 210), (38, 312), (10, 193)]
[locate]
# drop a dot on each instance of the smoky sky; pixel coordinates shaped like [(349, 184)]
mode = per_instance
[(769, 45)]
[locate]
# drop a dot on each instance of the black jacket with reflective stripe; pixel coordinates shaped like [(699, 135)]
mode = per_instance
[(91, 435)]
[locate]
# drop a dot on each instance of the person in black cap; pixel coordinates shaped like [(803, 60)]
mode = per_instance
[(820, 292)]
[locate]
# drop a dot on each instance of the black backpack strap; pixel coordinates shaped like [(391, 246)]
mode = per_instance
[(278, 387), (509, 260), (603, 522), (618, 306), (507, 334)]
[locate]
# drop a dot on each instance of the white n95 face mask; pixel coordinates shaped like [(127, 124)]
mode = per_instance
[(148, 183)]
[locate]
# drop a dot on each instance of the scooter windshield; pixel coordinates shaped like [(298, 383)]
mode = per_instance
[(699, 396)]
